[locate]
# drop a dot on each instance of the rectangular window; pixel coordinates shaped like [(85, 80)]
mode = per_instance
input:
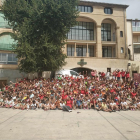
[(122, 50), (70, 50), (121, 33), (81, 50), (8, 58), (88, 9), (136, 48), (91, 51), (82, 31), (109, 69), (106, 32), (106, 51)]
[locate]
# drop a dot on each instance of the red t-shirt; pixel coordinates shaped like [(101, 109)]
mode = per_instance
[(133, 94), (64, 97), (123, 73), (82, 91), (102, 74), (69, 103), (127, 75), (119, 74), (41, 96)]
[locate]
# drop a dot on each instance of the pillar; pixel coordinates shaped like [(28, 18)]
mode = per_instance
[(87, 51), (118, 42), (99, 42), (75, 51)]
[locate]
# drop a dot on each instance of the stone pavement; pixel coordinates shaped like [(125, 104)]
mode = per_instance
[(59, 125)]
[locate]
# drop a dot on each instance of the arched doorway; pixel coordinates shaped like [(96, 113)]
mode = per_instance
[(83, 70)]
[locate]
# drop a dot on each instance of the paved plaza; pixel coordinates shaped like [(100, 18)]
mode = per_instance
[(59, 125)]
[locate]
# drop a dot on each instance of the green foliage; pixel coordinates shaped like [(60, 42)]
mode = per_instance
[(40, 27)]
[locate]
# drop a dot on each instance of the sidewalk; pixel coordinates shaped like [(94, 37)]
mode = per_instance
[(59, 125)]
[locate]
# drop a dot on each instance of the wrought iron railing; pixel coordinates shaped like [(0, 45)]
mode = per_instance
[(105, 38)]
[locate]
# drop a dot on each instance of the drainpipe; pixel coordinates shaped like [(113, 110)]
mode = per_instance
[(125, 33)]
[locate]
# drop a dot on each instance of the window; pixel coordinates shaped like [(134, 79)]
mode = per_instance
[(136, 48), (108, 11), (122, 50), (106, 32), (8, 58), (81, 50), (107, 51), (136, 26), (91, 51), (70, 50), (121, 33), (82, 31), (3, 22), (136, 23), (87, 9), (109, 69)]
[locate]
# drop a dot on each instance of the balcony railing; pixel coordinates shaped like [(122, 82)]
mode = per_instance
[(105, 38), (4, 25), (136, 29), (6, 46)]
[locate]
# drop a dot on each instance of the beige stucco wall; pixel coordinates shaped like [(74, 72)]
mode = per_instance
[(130, 38), (137, 57), (98, 64), (135, 66)]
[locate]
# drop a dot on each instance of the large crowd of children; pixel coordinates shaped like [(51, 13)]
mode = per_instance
[(101, 91)]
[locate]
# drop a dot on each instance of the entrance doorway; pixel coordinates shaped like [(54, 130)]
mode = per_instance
[(83, 71), (2, 83)]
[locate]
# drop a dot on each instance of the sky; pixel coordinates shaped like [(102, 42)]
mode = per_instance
[(133, 11)]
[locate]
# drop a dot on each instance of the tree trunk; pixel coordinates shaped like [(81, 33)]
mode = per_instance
[(40, 74), (52, 76)]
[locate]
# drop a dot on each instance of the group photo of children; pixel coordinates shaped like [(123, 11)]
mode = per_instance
[(109, 92)]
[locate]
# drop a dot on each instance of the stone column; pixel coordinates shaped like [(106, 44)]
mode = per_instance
[(117, 42), (99, 42), (87, 51), (75, 51)]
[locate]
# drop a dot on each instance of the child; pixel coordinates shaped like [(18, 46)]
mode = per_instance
[(33, 105), (85, 103)]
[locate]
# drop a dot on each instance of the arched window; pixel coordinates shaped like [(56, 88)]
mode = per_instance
[(3, 22), (108, 10)]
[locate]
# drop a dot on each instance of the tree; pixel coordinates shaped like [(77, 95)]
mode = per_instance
[(40, 27)]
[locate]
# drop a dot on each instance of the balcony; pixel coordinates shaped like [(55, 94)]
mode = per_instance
[(4, 25), (136, 29), (7, 47), (107, 40), (112, 39)]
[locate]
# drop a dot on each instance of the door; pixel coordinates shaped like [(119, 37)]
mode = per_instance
[(2, 83)]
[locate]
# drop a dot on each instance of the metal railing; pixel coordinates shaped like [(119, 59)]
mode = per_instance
[(4, 25), (6, 46), (136, 29), (113, 38)]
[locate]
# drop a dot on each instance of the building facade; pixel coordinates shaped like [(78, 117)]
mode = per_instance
[(133, 35), (99, 41)]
